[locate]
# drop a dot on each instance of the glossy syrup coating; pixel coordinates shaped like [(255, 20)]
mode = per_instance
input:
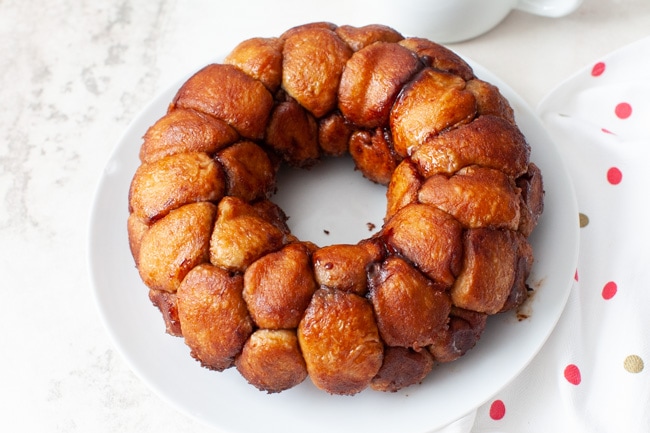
[(241, 236), (175, 244), (174, 181), (213, 316), (345, 267), (185, 131), (229, 277), (271, 360), (227, 93), (409, 307), (475, 196), (488, 141), (402, 367), (340, 341), (279, 286)]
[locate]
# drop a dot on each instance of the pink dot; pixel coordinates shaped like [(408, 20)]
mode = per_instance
[(572, 374), (576, 276), (606, 131), (609, 290), (623, 110), (598, 69), (614, 176), (497, 410)]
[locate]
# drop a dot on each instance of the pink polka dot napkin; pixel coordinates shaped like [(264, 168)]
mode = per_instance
[(593, 374)]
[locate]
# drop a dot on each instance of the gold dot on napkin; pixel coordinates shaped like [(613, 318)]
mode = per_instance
[(633, 364), (584, 220)]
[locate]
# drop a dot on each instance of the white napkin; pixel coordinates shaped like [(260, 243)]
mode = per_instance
[(593, 374)]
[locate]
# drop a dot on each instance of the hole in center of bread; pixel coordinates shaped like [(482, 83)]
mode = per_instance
[(330, 203)]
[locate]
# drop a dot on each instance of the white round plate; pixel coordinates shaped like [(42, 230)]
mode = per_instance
[(316, 202)]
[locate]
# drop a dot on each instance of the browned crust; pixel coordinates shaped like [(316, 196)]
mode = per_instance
[(219, 258), (340, 342)]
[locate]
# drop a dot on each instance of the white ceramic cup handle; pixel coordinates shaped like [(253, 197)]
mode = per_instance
[(548, 8)]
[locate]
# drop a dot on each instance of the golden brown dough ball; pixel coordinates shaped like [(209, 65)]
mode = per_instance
[(340, 342), (279, 286), (333, 134), (520, 290), (488, 141), (227, 93), (428, 237), (183, 131), (344, 266), (439, 57), (489, 101), (371, 81), (241, 235), (408, 307), (271, 360), (213, 315), (314, 58), (462, 334), (261, 58), (271, 212), (432, 102), (489, 268), (166, 304), (136, 228), (174, 181), (360, 37), (175, 244), (250, 173), (293, 133), (532, 199), (403, 188), (373, 156), (402, 367), (475, 196)]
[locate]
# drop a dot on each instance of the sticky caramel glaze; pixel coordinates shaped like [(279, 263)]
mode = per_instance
[(293, 133), (213, 316), (185, 131), (279, 286), (371, 81), (166, 303), (340, 342), (345, 267), (313, 62), (489, 269), (271, 360), (475, 196), (227, 93), (175, 244), (373, 155), (463, 332), (174, 181), (260, 58), (249, 172), (402, 367), (429, 104), (227, 274), (429, 238), (240, 236), (532, 199), (409, 308), (488, 141)]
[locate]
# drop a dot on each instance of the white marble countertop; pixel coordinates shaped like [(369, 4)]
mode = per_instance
[(72, 76)]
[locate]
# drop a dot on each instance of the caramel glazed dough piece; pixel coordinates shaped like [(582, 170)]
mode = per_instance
[(229, 277)]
